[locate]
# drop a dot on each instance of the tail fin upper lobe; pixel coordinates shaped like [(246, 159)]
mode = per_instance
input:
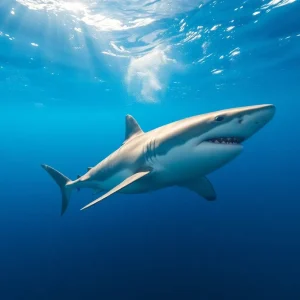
[(62, 181)]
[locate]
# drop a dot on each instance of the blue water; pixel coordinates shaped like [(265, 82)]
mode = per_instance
[(69, 73)]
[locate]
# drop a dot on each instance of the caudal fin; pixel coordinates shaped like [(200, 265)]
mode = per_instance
[(62, 181)]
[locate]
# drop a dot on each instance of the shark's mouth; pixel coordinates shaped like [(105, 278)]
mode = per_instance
[(226, 140)]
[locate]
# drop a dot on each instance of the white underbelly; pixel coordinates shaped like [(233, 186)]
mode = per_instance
[(142, 185), (192, 160), (116, 179), (178, 164)]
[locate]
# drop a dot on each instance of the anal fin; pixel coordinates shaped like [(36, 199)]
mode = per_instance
[(202, 186), (119, 187)]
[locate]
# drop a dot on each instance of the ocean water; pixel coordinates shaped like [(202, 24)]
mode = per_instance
[(70, 72)]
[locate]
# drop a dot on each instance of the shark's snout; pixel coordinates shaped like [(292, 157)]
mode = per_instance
[(264, 113), (254, 118), (233, 126)]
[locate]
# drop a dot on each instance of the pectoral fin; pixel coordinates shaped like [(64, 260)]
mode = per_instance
[(119, 187), (202, 186)]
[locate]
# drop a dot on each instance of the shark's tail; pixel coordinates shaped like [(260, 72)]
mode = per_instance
[(62, 181)]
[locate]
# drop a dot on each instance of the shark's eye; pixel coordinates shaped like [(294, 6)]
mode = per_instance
[(219, 118)]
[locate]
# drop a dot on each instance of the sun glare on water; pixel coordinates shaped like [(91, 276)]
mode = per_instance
[(74, 6), (55, 5)]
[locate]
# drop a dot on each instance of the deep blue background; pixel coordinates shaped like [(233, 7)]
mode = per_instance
[(168, 244)]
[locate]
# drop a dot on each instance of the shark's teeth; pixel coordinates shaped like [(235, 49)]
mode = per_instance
[(227, 140)]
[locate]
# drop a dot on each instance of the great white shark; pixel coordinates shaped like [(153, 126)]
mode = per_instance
[(181, 153)]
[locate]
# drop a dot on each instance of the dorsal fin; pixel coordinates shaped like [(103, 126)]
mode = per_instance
[(132, 128)]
